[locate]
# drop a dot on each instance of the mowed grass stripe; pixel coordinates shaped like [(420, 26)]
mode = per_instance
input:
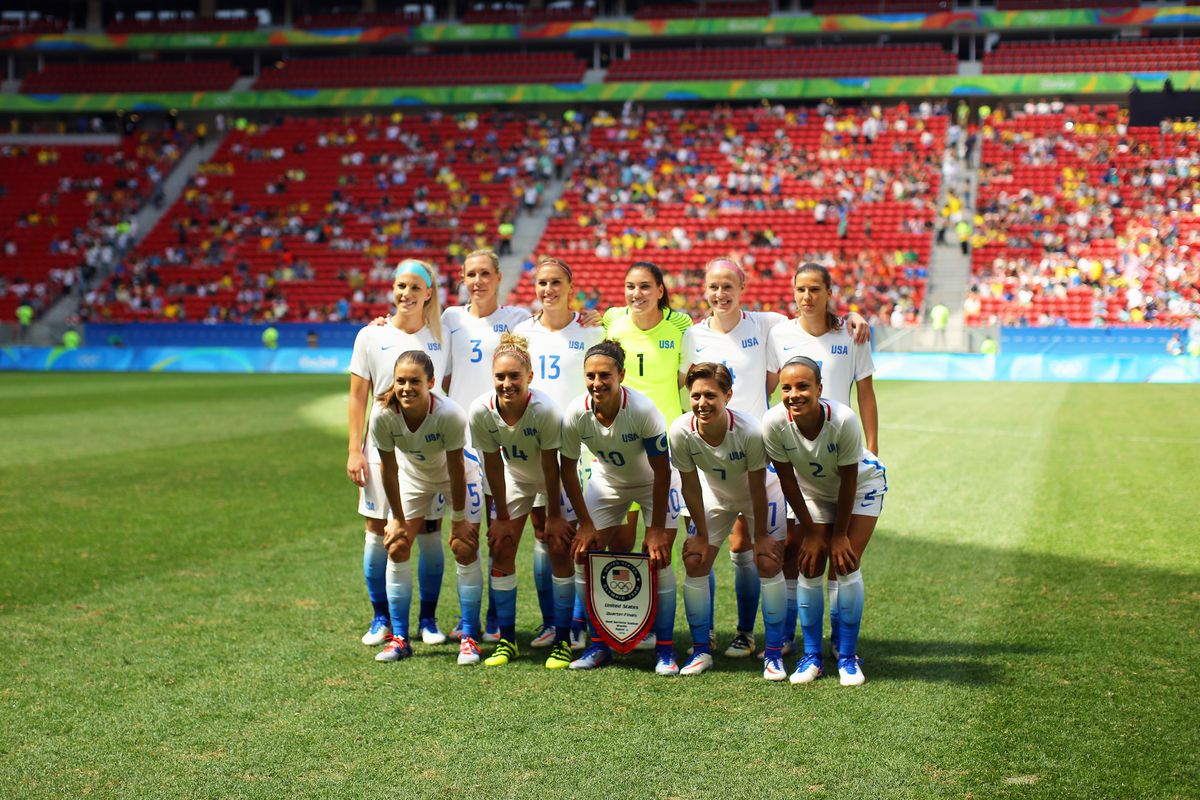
[(207, 644)]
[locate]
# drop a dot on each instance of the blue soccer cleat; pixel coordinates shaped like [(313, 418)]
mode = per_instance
[(808, 669)]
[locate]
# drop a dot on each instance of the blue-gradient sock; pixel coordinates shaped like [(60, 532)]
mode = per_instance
[(712, 595), (504, 588), (564, 604), (431, 564), (542, 581), (835, 627), (789, 619), (664, 621), (810, 600), (774, 607), (399, 594), (748, 587), (851, 595), (491, 608), (470, 595), (375, 571), (697, 602), (579, 615), (581, 598)]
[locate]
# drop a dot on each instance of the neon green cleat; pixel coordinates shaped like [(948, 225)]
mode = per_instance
[(505, 652), (560, 656)]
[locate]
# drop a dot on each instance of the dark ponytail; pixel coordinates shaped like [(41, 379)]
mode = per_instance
[(832, 321)]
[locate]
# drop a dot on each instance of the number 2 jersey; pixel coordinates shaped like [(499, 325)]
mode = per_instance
[(622, 451), (816, 461)]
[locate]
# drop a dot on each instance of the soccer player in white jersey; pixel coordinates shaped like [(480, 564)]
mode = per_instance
[(558, 341), (429, 431), (726, 447), (628, 436), (472, 335), (518, 430), (836, 487), (818, 333), (416, 325), (738, 339)]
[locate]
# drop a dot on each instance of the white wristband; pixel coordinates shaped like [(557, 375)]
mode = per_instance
[(457, 514)]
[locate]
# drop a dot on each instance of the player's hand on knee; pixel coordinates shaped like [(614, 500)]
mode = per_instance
[(396, 539), (812, 556), (466, 533), (557, 529), (842, 555), (768, 556)]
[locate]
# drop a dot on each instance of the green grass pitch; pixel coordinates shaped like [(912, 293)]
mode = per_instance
[(182, 596)]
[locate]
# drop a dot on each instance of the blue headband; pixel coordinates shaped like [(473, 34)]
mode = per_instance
[(416, 268)]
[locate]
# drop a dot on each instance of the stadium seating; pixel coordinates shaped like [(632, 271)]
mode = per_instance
[(1085, 221), (195, 25), (528, 16), (609, 217), (100, 78), (272, 229), (1141, 55), (784, 62), (315, 73), (711, 10), (317, 22)]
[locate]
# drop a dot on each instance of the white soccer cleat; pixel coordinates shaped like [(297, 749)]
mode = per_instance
[(381, 629), (808, 669), (774, 669), (598, 655), (741, 646), (850, 671), (697, 664), (579, 638), (468, 651), (456, 634), (712, 643), (665, 663), (430, 633), (544, 637), (649, 643)]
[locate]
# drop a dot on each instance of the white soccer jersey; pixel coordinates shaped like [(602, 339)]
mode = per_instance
[(558, 356), (724, 466), (843, 363), (816, 462), (471, 342), (743, 350), (621, 451), (376, 348), (539, 428), (444, 428)]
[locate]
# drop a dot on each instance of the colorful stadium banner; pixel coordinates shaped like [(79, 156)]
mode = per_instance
[(783, 24), (889, 366), (911, 86)]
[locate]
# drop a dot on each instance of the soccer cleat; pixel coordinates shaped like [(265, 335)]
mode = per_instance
[(774, 669), (789, 647), (579, 638), (456, 634), (560, 656), (430, 633), (712, 643), (505, 652), (808, 669), (468, 651), (666, 662), (834, 649), (397, 649), (544, 637), (741, 646), (491, 630), (649, 643), (598, 655), (850, 671), (381, 628), (698, 663)]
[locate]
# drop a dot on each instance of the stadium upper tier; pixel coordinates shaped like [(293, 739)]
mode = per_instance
[(1083, 219), (313, 73), (709, 11), (1106, 55), (288, 222), (104, 78), (784, 62), (195, 25), (318, 22), (62, 208), (528, 16), (877, 7), (773, 187)]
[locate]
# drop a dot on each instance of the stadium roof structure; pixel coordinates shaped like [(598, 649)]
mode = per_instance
[(620, 29)]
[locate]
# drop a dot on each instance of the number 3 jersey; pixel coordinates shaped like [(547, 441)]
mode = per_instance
[(816, 462), (444, 428), (622, 450), (724, 466), (472, 343), (521, 443)]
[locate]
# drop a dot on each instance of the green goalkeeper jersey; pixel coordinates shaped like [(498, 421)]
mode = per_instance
[(651, 357)]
